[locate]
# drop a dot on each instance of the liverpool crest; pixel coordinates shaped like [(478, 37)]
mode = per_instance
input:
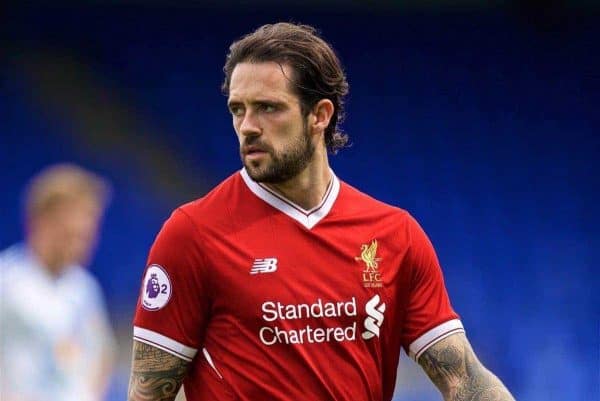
[(368, 255)]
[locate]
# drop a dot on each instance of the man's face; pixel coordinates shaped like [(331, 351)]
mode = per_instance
[(275, 143), (70, 231)]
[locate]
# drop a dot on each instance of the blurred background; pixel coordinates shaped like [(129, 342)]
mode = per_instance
[(480, 118)]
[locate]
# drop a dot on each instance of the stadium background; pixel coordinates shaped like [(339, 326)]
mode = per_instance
[(479, 120)]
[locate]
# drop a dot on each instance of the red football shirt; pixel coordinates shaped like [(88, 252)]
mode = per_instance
[(272, 302)]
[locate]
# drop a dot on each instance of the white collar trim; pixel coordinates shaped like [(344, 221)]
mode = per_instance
[(308, 218)]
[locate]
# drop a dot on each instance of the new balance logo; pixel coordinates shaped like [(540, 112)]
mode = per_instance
[(375, 319), (266, 265)]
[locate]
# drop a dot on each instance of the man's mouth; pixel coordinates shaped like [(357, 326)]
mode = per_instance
[(254, 151)]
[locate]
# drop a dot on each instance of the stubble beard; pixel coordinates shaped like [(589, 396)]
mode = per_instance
[(285, 165)]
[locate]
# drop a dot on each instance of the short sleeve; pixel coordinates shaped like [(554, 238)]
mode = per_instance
[(429, 316), (173, 304)]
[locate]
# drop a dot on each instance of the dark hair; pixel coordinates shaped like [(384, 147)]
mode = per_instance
[(317, 70)]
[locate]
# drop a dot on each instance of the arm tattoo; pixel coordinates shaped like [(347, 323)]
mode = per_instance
[(453, 367), (156, 375)]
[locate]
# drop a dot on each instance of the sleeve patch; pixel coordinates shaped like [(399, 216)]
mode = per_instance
[(156, 291)]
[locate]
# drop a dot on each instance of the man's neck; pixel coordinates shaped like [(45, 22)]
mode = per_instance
[(48, 260), (308, 188)]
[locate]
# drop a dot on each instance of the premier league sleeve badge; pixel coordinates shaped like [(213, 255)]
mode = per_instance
[(156, 290)]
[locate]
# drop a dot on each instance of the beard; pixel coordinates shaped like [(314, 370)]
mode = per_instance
[(284, 165)]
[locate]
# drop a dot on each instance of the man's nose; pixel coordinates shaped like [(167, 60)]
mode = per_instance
[(250, 125)]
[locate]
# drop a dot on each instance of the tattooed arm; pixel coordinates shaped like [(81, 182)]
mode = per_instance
[(156, 375), (453, 367)]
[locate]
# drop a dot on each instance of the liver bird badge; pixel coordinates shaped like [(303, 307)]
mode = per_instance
[(368, 255)]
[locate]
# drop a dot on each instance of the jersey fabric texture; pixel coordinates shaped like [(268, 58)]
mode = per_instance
[(53, 331), (272, 302)]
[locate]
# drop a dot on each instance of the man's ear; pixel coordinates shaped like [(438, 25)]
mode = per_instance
[(321, 115)]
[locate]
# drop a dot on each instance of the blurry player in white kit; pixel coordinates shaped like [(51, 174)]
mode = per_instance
[(56, 343)]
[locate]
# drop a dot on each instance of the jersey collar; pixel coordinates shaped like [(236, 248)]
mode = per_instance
[(308, 218)]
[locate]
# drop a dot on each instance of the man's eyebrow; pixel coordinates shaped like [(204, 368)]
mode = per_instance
[(267, 101), (276, 102)]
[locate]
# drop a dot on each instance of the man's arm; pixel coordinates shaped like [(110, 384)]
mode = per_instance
[(453, 367), (156, 375)]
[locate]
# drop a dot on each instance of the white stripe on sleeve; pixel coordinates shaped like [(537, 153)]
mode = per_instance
[(434, 335), (165, 343)]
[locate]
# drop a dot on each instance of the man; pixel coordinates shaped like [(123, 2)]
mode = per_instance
[(284, 283), (55, 343)]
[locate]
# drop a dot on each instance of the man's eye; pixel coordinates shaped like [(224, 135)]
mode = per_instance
[(267, 108), (236, 111)]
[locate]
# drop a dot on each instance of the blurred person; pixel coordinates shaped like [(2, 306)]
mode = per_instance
[(283, 282), (55, 338)]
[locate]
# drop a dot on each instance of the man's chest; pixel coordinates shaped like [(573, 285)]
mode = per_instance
[(294, 285)]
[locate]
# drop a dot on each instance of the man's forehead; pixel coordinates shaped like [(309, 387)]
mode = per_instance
[(260, 78)]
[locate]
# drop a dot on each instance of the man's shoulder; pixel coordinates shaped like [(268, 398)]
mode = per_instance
[(217, 198), (80, 277), (19, 275), (213, 207), (12, 259), (357, 201)]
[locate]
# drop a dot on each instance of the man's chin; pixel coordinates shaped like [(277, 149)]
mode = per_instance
[(262, 175), (258, 176), (257, 173)]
